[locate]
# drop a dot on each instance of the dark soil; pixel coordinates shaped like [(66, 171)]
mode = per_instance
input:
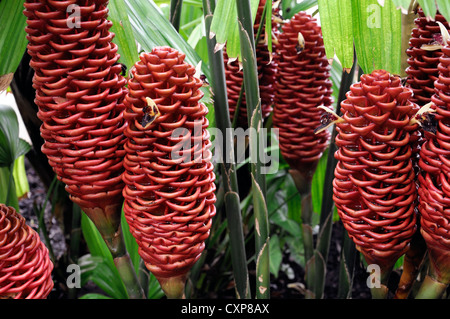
[(288, 285)]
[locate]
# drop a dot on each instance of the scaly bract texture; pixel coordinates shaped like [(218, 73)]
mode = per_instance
[(434, 180), (79, 92), (302, 84), (25, 266), (169, 193), (374, 187)]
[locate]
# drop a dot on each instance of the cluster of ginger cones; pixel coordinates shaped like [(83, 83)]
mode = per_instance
[(111, 141)]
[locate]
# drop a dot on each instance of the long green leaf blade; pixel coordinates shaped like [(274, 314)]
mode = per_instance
[(13, 40), (224, 25), (123, 31), (429, 7), (337, 30), (151, 28), (377, 35), (444, 8)]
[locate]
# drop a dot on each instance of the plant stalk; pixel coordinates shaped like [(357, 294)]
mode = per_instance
[(175, 13), (75, 236), (108, 222), (303, 182), (254, 113), (228, 167), (347, 268), (431, 289), (412, 263), (381, 291), (125, 267)]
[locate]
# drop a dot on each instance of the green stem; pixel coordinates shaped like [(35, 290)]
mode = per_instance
[(254, 114), (303, 182), (175, 13), (124, 265), (228, 167), (381, 291), (143, 276), (107, 220), (431, 289), (347, 267), (241, 92), (75, 236), (413, 260)]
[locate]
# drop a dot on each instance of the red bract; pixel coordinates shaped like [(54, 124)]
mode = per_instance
[(25, 266), (266, 75), (302, 84), (79, 92), (434, 190), (374, 187), (169, 193), (423, 64)]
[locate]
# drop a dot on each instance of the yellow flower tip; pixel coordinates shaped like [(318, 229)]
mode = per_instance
[(301, 43)]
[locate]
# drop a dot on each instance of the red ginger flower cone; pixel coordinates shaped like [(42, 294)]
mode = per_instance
[(169, 199), (79, 92), (302, 84), (25, 266), (434, 189), (374, 188), (423, 63), (266, 75), (424, 53)]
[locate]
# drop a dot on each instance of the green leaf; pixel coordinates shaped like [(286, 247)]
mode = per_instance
[(151, 29), (94, 296), (429, 7), (94, 240), (315, 276), (224, 25), (263, 271), (291, 7), (98, 270), (295, 204), (337, 33), (130, 243), (11, 146), (7, 188), (403, 5), (13, 40), (20, 177), (123, 31), (268, 25), (444, 8), (317, 185), (377, 35), (276, 255)]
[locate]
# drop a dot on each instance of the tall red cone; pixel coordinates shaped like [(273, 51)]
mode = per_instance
[(424, 53), (302, 85), (79, 93), (374, 187), (423, 63), (169, 192), (25, 266), (434, 190)]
